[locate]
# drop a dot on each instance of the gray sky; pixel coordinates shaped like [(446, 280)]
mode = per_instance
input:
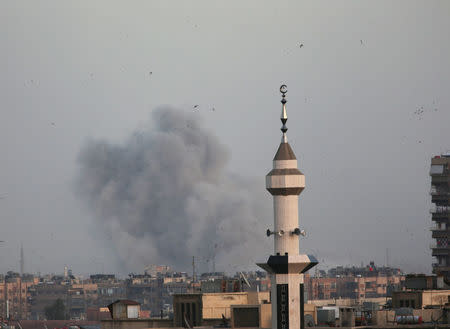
[(70, 71)]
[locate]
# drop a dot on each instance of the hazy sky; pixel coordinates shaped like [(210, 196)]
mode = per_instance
[(75, 70)]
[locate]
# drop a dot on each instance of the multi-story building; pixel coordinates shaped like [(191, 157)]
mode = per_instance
[(354, 283), (45, 294), (14, 295), (147, 290), (440, 197)]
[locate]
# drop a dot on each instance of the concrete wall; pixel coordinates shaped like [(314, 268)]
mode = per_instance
[(384, 317), (255, 297), (387, 317), (346, 301), (266, 316), (346, 317), (136, 324), (421, 298), (429, 315), (214, 305), (407, 299), (435, 297), (311, 310)]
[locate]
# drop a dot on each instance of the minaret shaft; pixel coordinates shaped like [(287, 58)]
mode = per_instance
[(286, 220)]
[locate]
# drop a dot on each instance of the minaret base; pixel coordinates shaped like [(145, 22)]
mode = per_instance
[(286, 275)]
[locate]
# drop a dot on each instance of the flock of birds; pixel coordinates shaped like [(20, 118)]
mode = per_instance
[(422, 110), (418, 113)]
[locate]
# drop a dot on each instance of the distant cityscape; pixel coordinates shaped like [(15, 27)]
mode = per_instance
[(27, 296)]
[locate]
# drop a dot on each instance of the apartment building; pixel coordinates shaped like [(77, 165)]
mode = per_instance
[(440, 214)]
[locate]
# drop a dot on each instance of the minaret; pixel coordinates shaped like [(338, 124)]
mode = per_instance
[(22, 260), (286, 267)]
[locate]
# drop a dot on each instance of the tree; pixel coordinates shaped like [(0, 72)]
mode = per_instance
[(56, 311)]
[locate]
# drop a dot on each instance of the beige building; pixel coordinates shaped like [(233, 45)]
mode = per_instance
[(124, 309), (240, 309), (420, 299), (200, 308), (14, 295)]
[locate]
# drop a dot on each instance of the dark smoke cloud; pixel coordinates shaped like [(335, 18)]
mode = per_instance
[(164, 195)]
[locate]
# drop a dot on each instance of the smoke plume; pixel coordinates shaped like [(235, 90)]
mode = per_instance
[(164, 195)]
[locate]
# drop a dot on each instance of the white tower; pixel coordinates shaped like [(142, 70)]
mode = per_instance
[(286, 267)]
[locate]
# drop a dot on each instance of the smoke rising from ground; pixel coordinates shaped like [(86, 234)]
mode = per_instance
[(164, 195)]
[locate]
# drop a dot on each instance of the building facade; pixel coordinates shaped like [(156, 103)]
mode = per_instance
[(353, 283), (440, 214), (14, 295)]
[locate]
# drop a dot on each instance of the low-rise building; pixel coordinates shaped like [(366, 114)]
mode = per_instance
[(418, 299)]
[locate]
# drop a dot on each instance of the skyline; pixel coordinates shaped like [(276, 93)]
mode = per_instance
[(367, 103)]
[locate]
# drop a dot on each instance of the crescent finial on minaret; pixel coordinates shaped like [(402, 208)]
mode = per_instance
[(283, 118)]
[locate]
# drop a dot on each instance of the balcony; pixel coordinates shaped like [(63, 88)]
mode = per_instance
[(440, 210), (440, 198), (439, 234), (439, 190), (440, 246), (440, 267), (440, 179), (440, 217), (439, 252), (437, 228)]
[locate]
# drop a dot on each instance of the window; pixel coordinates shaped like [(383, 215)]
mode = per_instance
[(402, 303), (406, 303), (413, 304)]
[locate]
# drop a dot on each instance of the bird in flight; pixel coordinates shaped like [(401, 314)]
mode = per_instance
[(195, 106), (301, 45)]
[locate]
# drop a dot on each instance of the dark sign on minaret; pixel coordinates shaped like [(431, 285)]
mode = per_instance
[(286, 267)]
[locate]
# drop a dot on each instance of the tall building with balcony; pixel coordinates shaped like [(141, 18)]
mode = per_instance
[(440, 197)]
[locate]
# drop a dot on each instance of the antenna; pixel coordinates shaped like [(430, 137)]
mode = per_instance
[(193, 269)]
